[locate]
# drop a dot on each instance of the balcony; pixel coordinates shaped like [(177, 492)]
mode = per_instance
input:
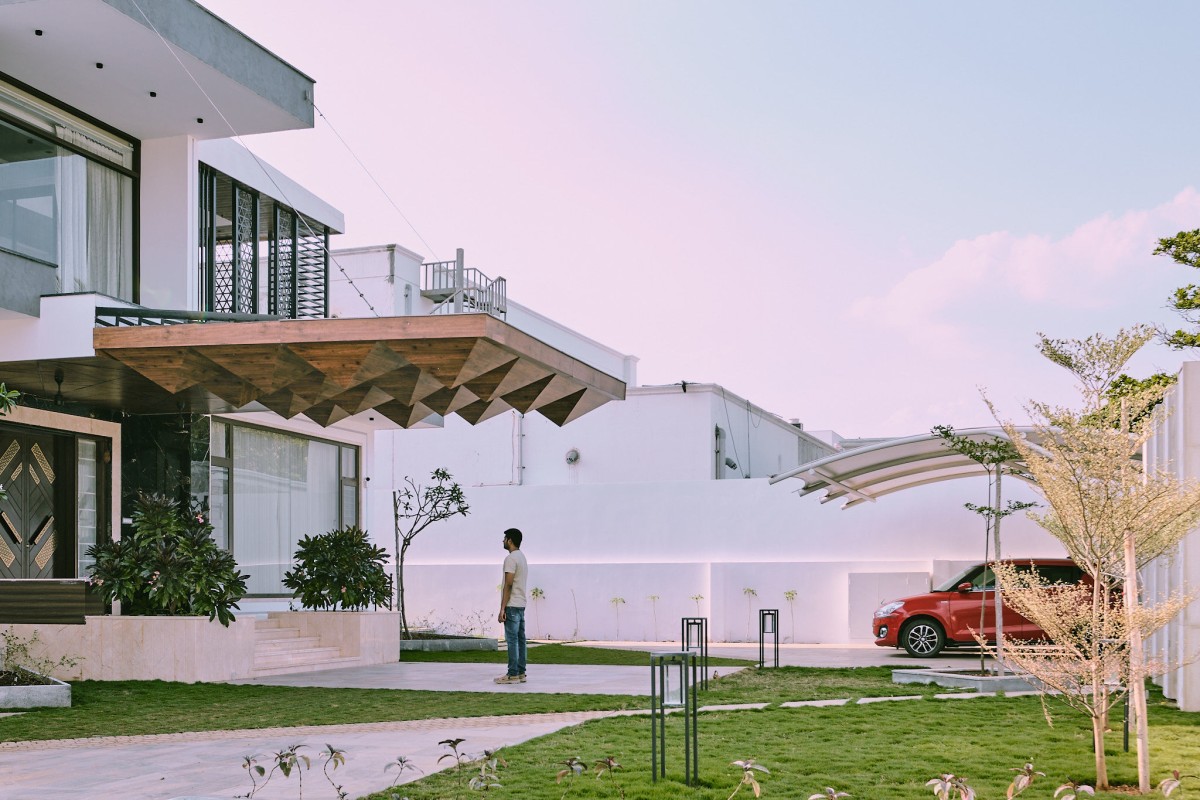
[(460, 290)]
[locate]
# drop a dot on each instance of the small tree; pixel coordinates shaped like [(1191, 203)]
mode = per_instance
[(1184, 249), (750, 593), (790, 595), (537, 595), (617, 602), (340, 569), (997, 456), (169, 565), (1113, 516), (416, 508)]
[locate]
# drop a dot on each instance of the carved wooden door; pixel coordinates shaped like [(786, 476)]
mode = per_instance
[(27, 530)]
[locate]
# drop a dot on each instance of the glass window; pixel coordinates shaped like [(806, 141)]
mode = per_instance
[(283, 487), (66, 205), (87, 489), (28, 195)]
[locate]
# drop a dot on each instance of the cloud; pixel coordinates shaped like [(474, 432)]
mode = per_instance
[(1101, 265)]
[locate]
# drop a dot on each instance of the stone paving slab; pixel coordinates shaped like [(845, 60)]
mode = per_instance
[(814, 703), (444, 677), (865, 700), (210, 764)]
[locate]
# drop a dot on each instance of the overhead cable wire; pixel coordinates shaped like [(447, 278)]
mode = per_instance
[(378, 185), (261, 165)]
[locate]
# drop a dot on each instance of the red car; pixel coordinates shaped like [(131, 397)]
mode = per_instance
[(926, 624)]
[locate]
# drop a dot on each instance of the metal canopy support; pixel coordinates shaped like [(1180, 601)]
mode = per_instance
[(867, 473)]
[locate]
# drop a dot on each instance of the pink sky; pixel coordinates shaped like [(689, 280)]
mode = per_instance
[(851, 219)]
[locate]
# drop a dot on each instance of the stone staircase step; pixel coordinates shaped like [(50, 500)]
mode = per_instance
[(298, 655), (274, 634), (280, 650), (333, 663), (296, 642)]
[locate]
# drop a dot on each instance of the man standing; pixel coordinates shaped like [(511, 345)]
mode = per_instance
[(512, 606)]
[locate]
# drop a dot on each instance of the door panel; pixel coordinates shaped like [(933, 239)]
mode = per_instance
[(28, 532)]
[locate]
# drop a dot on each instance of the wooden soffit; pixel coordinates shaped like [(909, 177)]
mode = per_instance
[(404, 368)]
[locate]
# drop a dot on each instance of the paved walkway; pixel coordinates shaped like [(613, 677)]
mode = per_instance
[(209, 764)]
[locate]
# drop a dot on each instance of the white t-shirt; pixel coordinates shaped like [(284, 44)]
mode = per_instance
[(515, 563)]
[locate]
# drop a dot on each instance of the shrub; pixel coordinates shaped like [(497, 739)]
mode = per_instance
[(168, 566), (340, 569)]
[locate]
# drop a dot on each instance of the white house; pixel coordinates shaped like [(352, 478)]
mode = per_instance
[(653, 501), (155, 274)]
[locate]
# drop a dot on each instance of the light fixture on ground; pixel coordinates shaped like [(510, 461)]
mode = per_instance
[(768, 625), (694, 638), (673, 682)]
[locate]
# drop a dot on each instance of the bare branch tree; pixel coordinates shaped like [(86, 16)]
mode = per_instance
[(416, 508)]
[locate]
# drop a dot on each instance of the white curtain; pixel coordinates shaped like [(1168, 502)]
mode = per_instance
[(95, 241), (72, 222), (109, 234), (284, 488)]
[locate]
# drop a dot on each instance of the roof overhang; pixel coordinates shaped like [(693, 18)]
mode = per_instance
[(403, 368), (864, 474), (190, 58)]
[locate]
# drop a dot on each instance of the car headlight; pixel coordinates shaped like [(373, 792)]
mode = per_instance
[(890, 608)]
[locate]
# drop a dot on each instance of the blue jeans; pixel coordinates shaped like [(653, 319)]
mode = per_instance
[(514, 637)]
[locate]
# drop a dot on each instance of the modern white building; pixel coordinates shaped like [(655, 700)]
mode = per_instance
[(172, 311), (154, 274), (654, 508)]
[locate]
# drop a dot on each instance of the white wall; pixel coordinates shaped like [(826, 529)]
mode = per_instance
[(656, 434), (1176, 448), (589, 543), (63, 329), (169, 226)]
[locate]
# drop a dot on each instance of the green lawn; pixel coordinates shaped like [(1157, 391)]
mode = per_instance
[(106, 708), (559, 654), (145, 707), (881, 750)]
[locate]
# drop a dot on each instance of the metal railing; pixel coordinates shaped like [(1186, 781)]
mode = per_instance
[(115, 317), (491, 299), (461, 290)]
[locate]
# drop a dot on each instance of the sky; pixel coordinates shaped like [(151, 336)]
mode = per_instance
[(857, 215)]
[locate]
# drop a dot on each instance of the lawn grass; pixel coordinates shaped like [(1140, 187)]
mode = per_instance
[(881, 750), (105, 708), (558, 654), (129, 708)]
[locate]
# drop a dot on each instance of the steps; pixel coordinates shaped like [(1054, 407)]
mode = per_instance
[(281, 650)]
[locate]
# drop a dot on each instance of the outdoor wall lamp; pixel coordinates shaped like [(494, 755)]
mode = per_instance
[(729, 462)]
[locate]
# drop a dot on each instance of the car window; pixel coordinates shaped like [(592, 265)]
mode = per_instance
[(963, 577), (1055, 574)]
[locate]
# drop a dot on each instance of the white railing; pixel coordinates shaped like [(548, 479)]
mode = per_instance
[(459, 290)]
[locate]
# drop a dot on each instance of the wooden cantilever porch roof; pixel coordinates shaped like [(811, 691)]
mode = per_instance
[(403, 368)]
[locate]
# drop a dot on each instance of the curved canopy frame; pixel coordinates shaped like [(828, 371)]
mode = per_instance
[(866, 473)]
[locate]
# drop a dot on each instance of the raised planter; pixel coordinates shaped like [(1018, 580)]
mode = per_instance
[(186, 649), (448, 644), (54, 694), (967, 679)]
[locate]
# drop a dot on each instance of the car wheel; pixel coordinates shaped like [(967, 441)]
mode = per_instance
[(923, 638)]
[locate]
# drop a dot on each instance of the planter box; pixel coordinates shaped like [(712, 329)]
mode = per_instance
[(961, 679), (453, 644), (55, 694), (186, 649)]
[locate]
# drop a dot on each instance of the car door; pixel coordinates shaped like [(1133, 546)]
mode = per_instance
[(964, 607)]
